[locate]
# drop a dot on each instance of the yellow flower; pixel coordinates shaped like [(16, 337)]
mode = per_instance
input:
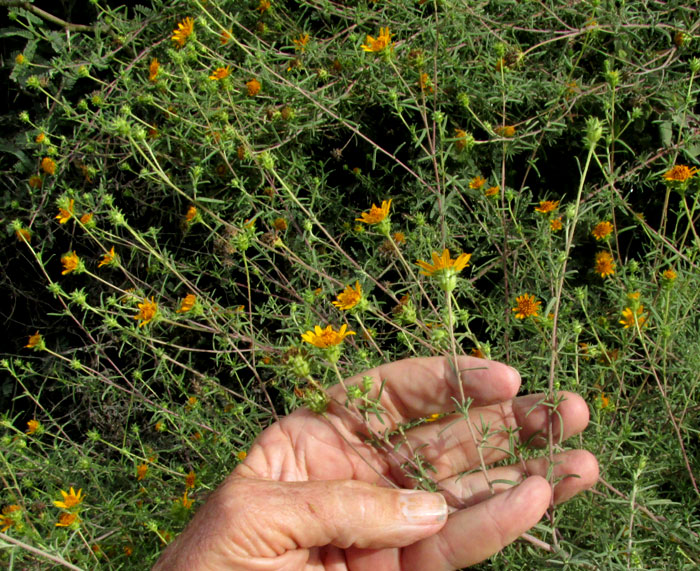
[(20, 59), (64, 215), (669, 274), (349, 297), (328, 337), (185, 501), (264, 6), (492, 191), (190, 214), (526, 306), (141, 471), (225, 37), (444, 262), (300, 42), (190, 479), (40, 138), (602, 230), (220, 73), (381, 43), (680, 173), (376, 214), (242, 455), (461, 142), (5, 520), (48, 165), (505, 131), (35, 181), (187, 303), (70, 262), (477, 182), (280, 224), (147, 311), (184, 31), (629, 315), (547, 206), (555, 224), (86, 218), (32, 426), (34, 341), (153, 70), (108, 258), (23, 234), (253, 87), (399, 238), (424, 82), (70, 499), (604, 264), (66, 519)]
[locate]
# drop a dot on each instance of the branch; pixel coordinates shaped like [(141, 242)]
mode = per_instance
[(46, 16)]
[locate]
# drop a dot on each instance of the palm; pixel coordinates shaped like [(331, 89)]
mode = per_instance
[(309, 447)]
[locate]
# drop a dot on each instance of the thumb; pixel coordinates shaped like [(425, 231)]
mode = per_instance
[(340, 513)]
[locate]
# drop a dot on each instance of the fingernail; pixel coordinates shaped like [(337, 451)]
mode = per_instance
[(516, 373), (422, 508)]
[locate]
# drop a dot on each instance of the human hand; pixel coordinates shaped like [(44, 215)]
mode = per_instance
[(312, 493)]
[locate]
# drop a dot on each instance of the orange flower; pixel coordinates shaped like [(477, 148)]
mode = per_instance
[(153, 70), (35, 181), (40, 138), (86, 218), (147, 311), (680, 173), (23, 234), (349, 297), (505, 131), (399, 238), (555, 224), (225, 37), (526, 306), (220, 73), (461, 142), (184, 31), (141, 471), (189, 480), (66, 519), (424, 82), (492, 191), (32, 426), (253, 87), (444, 262), (328, 337), (602, 230), (185, 501), (108, 258), (547, 206), (64, 215), (376, 214), (300, 42), (280, 224), (70, 262), (669, 274), (242, 455), (6, 522), (264, 6), (604, 264), (34, 341), (381, 43), (477, 182), (187, 303), (48, 165)]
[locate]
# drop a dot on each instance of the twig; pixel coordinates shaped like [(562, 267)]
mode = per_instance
[(46, 16), (36, 551)]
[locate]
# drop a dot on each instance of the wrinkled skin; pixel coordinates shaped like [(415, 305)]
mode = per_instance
[(313, 495)]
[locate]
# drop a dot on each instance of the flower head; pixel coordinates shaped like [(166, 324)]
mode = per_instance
[(48, 165), (23, 235), (108, 258), (444, 261), (492, 191), (185, 501), (547, 206), (630, 316), (669, 274), (680, 173), (70, 499), (602, 230), (220, 73), (147, 311), (184, 31), (190, 479), (381, 43), (35, 341), (300, 42), (477, 182), (153, 70), (349, 297), (253, 87), (6, 521), (604, 264), (225, 37), (376, 214), (264, 6), (141, 471), (187, 303), (65, 214), (555, 224), (424, 82), (32, 426), (526, 306), (35, 181), (86, 219), (328, 337), (71, 262), (506, 131), (66, 519)]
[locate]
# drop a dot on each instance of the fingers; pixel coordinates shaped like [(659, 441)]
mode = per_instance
[(474, 534), (264, 524), (452, 447), (574, 472), (414, 388)]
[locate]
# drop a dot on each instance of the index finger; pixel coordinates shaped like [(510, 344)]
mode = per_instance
[(415, 388)]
